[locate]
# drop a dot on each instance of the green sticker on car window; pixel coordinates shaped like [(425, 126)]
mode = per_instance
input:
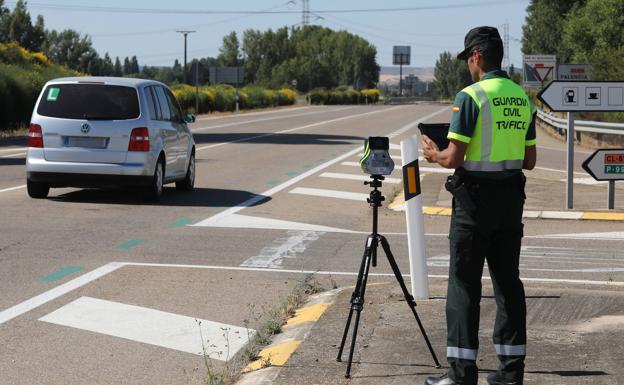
[(53, 94)]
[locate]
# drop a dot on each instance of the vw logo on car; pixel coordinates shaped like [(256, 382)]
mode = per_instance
[(85, 128)]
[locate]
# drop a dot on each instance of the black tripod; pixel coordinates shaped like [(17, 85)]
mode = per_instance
[(370, 254)]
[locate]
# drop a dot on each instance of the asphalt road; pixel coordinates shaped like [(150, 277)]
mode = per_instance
[(86, 276)]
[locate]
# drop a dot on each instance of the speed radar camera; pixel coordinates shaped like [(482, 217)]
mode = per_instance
[(376, 159)]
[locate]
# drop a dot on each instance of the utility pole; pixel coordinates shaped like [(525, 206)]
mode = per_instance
[(185, 33), (305, 14), (506, 46)]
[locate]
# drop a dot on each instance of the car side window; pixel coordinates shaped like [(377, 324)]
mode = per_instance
[(154, 109), (175, 107), (163, 103)]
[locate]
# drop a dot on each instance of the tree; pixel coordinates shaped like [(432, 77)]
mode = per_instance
[(108, 68), (127, 67), (451, 76), (71, 49), (118, 70), (5, 19), (134, 65), (229, 51), (544, 27), (21, 29), (595, 35)]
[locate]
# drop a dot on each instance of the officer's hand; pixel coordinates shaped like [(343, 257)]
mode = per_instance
[(430, 149)]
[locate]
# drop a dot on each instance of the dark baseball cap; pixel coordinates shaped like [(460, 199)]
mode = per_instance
[(480, 36)]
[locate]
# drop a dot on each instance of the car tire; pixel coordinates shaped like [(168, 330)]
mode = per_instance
[(37, 190), (188, 182), (155, 189)]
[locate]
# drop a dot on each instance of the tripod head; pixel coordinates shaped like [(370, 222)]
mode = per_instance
[(375, 196)]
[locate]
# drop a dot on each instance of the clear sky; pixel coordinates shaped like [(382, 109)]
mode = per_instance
[(152, 37)]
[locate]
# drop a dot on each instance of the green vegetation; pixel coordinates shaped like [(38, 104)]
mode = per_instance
[(223, 98), (579, 31), (451, 75), (343, 95), (22, 76)]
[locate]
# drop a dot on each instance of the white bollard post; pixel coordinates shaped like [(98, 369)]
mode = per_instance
[(415, 218)]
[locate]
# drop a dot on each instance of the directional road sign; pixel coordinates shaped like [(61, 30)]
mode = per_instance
[(606, 164), (576, 96)]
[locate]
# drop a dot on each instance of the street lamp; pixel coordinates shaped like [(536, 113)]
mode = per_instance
[(185, 33)]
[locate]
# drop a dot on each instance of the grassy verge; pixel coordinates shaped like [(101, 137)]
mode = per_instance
[(267, 322)]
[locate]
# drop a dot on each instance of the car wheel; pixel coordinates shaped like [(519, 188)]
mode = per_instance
[(188, 182), (155, 189), (37, 190)]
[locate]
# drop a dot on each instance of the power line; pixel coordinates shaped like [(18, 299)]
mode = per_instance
[(88, 8)]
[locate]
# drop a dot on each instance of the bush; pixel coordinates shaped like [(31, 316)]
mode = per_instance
[(343, 95), (22, 76)]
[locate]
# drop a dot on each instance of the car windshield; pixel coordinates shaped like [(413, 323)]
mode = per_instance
[(89, 101)]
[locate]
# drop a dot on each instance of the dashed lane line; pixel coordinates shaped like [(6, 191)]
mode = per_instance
[(296, 129), (358, 177), (198, 129), (330, 194), (13, 188)]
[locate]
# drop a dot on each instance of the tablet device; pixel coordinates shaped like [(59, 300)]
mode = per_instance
[(436, 132)]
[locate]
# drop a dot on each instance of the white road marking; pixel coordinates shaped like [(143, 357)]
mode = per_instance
[(557, 170), (287, 184), (14, 155), (561, 215), (436, 170), (14, 149), (586, 181), (330, 194), (357, 164), (12, 188), (245, 114), (266, 119), (614, 235), (359, 177), (58, 291), (395, 146), (283, 248), (295, 129), (154, 327), (247, 222), (65, 288)]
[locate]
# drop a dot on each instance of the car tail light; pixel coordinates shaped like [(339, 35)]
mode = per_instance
[(139, 139), (35, 136)]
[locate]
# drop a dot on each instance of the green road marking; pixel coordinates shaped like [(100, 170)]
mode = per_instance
[(292, 173), (130, 244), (273, 182), (62, 273), (307, 166), (182, 222), (322, 160)]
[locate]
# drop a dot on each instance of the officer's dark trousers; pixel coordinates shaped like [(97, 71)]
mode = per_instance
[(492, 233)]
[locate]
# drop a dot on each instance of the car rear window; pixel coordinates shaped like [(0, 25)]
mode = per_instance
[(89, 101)]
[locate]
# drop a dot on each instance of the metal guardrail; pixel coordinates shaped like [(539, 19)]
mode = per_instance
[(582, 125)]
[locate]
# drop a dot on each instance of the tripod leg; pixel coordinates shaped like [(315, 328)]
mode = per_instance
[(357, 293), (408, 297)]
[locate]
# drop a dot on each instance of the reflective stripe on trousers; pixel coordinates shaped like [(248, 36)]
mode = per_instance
[(510, 350), (461, 353)]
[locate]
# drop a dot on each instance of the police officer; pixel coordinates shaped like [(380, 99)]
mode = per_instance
[(492, 138)]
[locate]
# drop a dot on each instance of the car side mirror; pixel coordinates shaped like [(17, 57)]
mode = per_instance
[(189, 118)]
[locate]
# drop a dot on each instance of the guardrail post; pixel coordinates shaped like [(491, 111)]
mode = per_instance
[(570, 162), (611, 201)]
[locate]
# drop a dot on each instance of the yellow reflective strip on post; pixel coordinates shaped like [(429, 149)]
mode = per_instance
[(411, 180)]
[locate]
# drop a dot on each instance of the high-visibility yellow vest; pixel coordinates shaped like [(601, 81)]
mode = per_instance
[(499, 138)]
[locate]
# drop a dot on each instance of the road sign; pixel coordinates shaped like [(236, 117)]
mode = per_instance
[(401, 54), (575, 96), (606, 164), (538, 70), (227, 75), (574, 71)]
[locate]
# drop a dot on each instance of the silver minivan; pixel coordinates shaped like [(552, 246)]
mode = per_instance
[(109, 132)]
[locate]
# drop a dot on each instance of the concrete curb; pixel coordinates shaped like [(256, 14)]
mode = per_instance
[(266, 369), (399, 205)]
